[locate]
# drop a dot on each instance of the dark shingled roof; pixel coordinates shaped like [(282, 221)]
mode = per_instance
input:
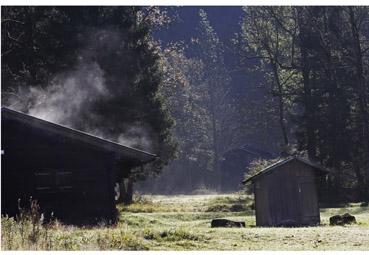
[(126, 151), (284, 161)]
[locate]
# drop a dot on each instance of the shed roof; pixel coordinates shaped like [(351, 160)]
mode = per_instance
[(284, 161), (252, 150), (256, 151), (104, 144)]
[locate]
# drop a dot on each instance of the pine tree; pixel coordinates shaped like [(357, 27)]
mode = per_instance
[(330, 86), (40, 43), (215, 91)]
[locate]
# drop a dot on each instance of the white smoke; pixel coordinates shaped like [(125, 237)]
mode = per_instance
[(70, 96), (135, 136)]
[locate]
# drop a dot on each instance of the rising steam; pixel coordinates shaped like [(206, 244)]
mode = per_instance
[(70, 97), (63, 100)]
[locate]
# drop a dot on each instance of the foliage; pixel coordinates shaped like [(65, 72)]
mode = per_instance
[(258, 165), (316, 58), (181, 77), (215, 91), (264, 39), (198, 99), (197, 92), (42, 44), (28, 229), (255, 167)]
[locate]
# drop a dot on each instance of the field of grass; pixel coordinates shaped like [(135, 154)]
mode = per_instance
[(183, 223)]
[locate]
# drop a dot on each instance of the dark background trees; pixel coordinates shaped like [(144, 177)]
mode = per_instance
[(286, 80), (303, 87), (326, 58)]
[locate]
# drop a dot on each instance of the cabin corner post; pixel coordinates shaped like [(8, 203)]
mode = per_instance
[(112, 175), (317, 181), (257, 220)]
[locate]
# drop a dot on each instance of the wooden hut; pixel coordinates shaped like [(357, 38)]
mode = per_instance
[(70, 173), (286, 193)]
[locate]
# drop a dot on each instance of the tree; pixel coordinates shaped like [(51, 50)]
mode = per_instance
[(105, 50), (265, 39), (326, 58), (197, 89), (33, 47), (183, 75), (215, 91), (332, 85), (356, 18)]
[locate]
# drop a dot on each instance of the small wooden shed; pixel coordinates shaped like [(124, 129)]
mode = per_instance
[(286, 193), (70, 173)]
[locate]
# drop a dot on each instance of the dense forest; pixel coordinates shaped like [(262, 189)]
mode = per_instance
[(304, 90), (193, 85)]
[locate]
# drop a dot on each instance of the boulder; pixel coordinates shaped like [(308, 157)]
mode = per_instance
[(224, 223), (342, 219), (348, 218), (364, 204), (335, 220)]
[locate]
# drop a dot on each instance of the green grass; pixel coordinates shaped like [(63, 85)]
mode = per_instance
[(183, 223)]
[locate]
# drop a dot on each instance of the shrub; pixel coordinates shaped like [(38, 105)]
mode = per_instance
[(119, 240), (179, 234), (255, 167), (27, 231), (149, 234), (8, 228)]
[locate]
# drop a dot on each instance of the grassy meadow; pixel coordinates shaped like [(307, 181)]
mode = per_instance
[(183, 223)]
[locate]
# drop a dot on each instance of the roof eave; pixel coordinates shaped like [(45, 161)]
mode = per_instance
[(281, 162), (142, 156)]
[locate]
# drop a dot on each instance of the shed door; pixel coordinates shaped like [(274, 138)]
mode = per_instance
[(283, 202), (308, 198)]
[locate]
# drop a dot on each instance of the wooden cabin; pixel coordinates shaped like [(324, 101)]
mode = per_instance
[(69, 173), (286, 193)]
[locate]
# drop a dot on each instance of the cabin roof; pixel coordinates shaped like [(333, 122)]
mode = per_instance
[(256, 151), (274, 166), (104, 144), (250, 150)]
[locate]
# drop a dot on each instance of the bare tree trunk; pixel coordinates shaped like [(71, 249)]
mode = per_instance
[(282, 121), (310, 137), (361, 187), (216, 168), (309, 108)]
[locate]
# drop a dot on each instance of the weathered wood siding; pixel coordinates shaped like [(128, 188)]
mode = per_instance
[(72, 179), (287, 193)]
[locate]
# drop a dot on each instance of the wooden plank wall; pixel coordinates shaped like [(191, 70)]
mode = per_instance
[(31, 154), (287, 193)]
